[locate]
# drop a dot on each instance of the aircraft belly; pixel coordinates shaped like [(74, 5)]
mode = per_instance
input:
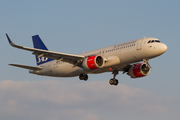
[(65, 70)]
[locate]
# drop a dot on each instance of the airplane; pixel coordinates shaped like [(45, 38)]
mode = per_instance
[(123, 57)]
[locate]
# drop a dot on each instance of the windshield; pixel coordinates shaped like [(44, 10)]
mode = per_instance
[(152, 41)]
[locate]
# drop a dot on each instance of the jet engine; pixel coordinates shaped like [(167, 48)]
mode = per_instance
[(139, 70), (93, 62)]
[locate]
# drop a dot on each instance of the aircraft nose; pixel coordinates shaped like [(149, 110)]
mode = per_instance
[(163, 48)]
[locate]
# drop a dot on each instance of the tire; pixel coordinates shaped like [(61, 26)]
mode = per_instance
[(111, 82), (116, 82), (85, 77), (81, 77)]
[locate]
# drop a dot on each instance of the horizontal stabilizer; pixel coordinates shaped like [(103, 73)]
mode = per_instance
[(27, 67)]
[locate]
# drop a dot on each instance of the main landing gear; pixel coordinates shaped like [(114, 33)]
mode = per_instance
[(114, 81), (83, 77)]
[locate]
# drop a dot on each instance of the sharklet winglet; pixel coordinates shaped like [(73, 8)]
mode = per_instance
[(10, 41)]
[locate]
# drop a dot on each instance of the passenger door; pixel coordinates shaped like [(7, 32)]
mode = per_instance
[(138, 44)]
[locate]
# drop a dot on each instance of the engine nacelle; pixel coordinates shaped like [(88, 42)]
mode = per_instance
[(93, 62), (139, 70)]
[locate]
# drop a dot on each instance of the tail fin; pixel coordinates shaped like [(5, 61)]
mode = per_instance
[(38, 43)]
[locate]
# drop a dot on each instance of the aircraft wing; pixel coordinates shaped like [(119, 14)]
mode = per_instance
[(27, 67), (70, 58)]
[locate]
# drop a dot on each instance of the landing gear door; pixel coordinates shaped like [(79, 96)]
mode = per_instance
[(138, 44)]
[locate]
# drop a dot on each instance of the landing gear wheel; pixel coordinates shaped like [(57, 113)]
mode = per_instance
[(83, 77), (116, 82), (111, 82)]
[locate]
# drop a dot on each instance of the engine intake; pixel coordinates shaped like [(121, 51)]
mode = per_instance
[(139, 70), (93, 62)]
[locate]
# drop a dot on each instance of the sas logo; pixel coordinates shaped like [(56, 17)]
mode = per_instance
[(42, 59), (149, 46)]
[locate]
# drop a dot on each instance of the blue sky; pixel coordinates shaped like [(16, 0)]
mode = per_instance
[(75, 26)]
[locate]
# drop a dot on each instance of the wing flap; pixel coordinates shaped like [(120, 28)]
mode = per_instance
[(27, 67)]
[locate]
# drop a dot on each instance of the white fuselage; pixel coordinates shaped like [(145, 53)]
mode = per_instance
[(126, 53)]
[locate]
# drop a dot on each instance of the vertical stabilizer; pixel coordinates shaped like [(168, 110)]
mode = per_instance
[(38, 43)]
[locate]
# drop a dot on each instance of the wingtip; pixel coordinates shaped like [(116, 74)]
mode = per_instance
[(10, 41), (10, 64)]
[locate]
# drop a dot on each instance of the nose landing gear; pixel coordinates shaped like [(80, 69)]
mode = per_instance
[(114, 81)]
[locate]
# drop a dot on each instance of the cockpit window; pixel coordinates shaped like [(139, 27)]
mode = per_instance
[(157, 41), (152, 41)]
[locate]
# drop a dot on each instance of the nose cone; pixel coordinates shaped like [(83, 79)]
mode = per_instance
[(163, 48), (156, 49)]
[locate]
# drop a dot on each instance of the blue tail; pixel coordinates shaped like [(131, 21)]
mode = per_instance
[(38, 43)]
